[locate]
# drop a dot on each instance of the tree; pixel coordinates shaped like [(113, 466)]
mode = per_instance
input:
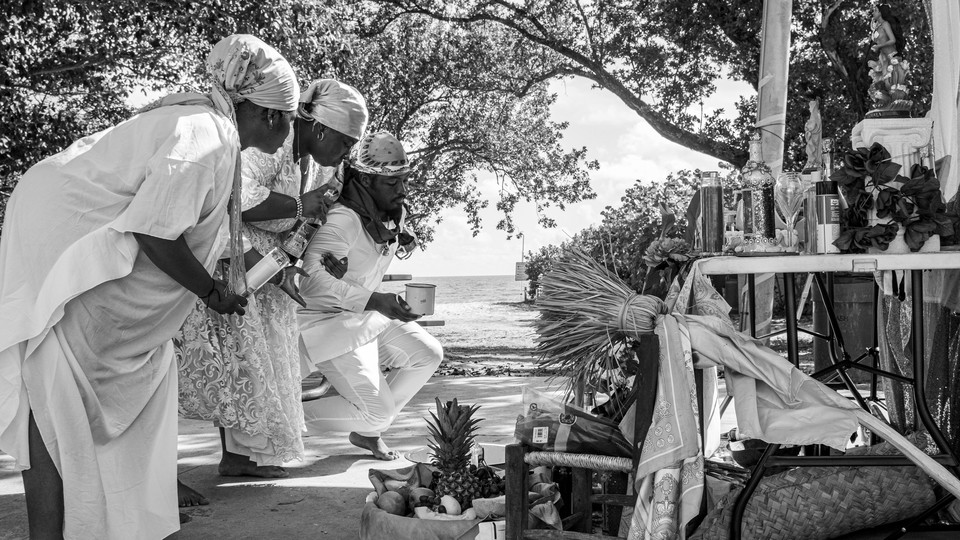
[(621, 239), (68, 69), (662, 58), (431, 98)]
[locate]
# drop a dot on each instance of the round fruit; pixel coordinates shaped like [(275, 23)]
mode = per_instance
[(392, 502), (450, 504)]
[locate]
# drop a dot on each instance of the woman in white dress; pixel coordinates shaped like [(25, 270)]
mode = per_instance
[(244, 373), (106, 247)]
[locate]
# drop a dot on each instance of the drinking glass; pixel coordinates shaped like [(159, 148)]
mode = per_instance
[(789, 194)]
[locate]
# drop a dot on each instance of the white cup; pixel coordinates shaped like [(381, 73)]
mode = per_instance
[(421, 298)]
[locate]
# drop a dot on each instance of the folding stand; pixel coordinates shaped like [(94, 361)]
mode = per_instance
[(827, 264)]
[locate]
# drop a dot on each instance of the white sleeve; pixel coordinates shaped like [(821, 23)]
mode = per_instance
[(177, 182), (336, 236), (256, 170)]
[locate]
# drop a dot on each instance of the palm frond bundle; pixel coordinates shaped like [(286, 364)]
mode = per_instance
[(586, 313)]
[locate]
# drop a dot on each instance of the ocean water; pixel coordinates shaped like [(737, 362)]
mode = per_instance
[(479, 312)]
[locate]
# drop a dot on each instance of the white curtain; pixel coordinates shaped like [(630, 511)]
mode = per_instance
[(944, 17)]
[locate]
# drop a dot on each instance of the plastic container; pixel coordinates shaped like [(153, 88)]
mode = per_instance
[(853, 297)]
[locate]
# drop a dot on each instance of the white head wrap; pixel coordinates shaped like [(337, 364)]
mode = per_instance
[(335, 105), (242, 67), (246, 68), (381, 154)]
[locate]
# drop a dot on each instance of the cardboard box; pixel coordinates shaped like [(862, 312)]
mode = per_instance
[(494, 454), (491, 530)]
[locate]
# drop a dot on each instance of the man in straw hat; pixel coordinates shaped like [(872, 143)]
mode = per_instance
[(106, 247), (349, 332)]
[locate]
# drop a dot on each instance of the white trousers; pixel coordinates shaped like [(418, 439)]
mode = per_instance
[(370, 400)]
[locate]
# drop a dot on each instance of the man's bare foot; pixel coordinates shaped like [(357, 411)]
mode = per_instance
[(374, 444), (189, 496), (237, 465)]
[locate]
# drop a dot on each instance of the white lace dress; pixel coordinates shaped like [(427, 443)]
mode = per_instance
[(243, 373)]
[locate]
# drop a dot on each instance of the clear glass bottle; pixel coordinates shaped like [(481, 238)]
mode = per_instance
[(259, 274), (711, 212), (759, 221)]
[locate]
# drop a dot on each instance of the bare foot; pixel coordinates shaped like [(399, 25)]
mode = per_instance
[(237, 465), (189, 496), (374, 444)]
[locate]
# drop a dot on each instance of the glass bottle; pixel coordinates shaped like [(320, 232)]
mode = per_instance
[(304, 229), (259, 274), (759, 222), (711, 212), (827, 159)]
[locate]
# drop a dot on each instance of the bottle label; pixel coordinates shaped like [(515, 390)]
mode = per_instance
[(828, 223), (296, 242), (263, 271)]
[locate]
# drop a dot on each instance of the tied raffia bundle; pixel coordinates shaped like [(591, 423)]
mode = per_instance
[(586, 314)]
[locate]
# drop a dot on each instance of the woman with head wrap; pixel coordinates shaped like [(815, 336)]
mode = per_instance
[(244, 373), (106, 247)]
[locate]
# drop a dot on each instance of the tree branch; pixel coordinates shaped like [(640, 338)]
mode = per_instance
[(586, 24), (596, 72)]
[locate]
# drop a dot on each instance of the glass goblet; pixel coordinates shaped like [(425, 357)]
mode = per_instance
[(789, 194)]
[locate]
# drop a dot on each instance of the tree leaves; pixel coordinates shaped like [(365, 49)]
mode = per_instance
[(70, 71)]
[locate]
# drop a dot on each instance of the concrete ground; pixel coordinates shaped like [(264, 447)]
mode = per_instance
[(324, 496)]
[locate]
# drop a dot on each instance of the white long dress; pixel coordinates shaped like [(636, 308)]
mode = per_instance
[(86, 319), (243, 373)]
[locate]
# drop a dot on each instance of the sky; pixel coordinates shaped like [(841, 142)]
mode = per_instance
[(626, 148)]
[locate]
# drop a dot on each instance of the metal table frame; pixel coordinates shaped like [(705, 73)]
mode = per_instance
[(823, 267)]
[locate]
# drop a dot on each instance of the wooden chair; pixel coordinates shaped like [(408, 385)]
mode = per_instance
[(519, 459)]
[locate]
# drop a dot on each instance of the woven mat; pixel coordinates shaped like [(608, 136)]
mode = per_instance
[(824, 502)]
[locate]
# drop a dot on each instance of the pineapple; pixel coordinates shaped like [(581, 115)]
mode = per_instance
[(452, 430)]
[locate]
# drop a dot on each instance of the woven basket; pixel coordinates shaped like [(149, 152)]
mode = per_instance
[(824, 502)]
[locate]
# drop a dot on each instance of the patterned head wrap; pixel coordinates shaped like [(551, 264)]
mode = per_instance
[(335, 105), (381, 154)]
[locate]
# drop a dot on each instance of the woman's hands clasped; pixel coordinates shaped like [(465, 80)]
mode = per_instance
[(224, 302)]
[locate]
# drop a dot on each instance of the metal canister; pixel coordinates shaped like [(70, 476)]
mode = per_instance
[(828, 216)]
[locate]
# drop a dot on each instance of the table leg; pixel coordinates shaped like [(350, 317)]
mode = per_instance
[(790, 305), (919, 368), (752, 302)]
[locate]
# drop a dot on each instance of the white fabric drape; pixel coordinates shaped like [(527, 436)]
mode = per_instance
[(945, 20)]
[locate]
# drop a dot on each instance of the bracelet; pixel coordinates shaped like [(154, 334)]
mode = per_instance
[(299, 207)]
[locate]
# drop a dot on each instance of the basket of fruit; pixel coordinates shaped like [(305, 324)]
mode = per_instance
[(448, 499)]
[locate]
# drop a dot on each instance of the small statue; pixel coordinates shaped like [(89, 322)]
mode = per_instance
[(889, 71), (812, 134)]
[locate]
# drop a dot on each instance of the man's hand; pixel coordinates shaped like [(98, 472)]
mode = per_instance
[(288, 283), (335, 267), (392, 306), (223, 301)]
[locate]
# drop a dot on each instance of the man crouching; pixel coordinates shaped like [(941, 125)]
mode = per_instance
[(350, 332)]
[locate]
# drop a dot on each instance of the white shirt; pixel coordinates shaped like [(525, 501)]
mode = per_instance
[(334, 321)]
